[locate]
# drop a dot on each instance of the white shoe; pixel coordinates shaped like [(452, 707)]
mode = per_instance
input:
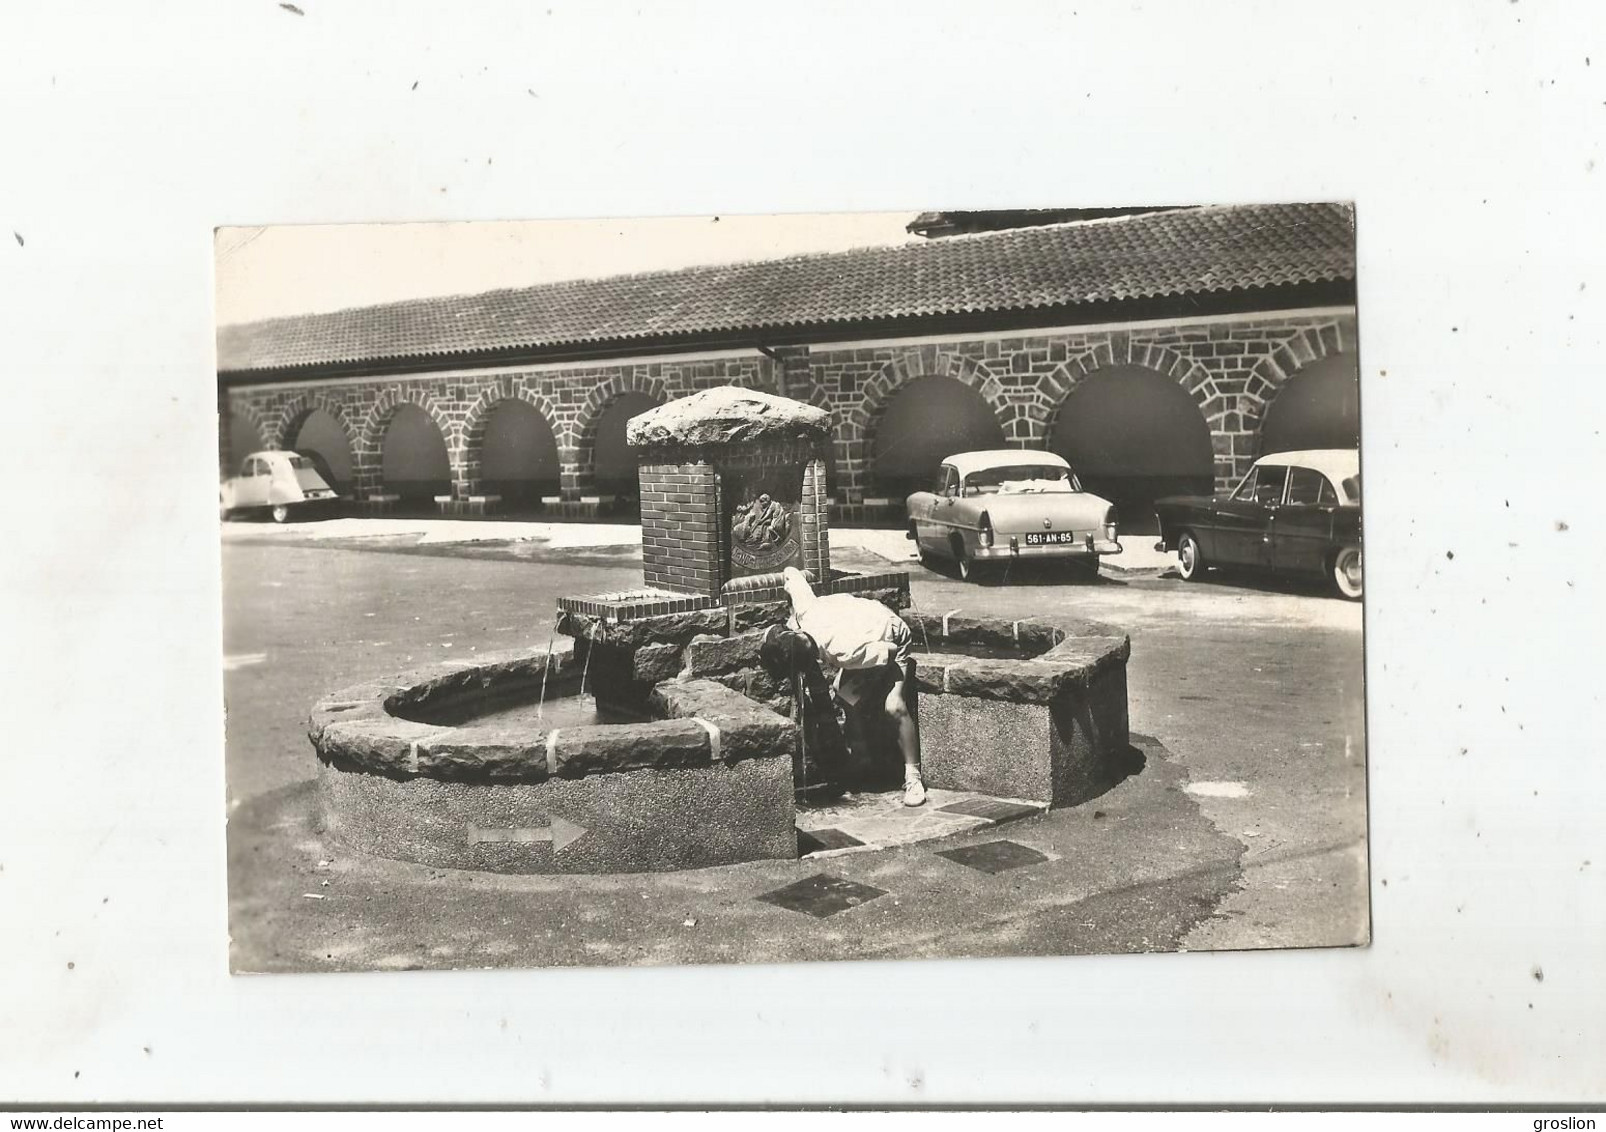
[(914, 790)]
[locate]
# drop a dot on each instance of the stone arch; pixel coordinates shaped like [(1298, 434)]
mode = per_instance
[(467, 471), (577, 448), (258, 419), (1135, 435), (1275, 372), (1218, 408), (856, 430), (369, 448), (292, 419), (915, 364), (230, 410), (583, 432), (1185, 371), (296, 411)]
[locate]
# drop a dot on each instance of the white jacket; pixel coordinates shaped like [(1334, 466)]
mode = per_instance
[(850, 632)]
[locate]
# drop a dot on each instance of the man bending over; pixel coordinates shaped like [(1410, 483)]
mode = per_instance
[(868, 648)]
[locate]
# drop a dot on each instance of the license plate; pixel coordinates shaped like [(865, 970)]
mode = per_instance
[(1052, 538)]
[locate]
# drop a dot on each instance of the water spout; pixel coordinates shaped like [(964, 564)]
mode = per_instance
[(540, 708), (585, 669), (920, 622)]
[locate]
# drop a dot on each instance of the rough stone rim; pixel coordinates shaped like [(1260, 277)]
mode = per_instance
[(727, 416), (1060, 654), (704, 722)]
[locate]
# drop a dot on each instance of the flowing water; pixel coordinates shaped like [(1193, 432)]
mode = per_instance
[(547, 670), (585, 669), (921, 622)]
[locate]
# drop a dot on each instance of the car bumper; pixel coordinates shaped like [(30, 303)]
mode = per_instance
[(1010, 547)]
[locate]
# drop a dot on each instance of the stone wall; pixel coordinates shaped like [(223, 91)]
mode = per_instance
[(1233, 370), (571, 400)]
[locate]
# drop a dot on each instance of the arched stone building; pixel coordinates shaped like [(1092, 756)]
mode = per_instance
[(1159, 351)]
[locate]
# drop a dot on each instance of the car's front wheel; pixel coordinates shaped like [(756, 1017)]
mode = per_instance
[(920, 551), (280, 512), (1347, 573), (1190, 558), (969, 569)]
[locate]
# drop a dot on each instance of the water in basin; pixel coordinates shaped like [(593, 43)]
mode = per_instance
[(948, 650), (523, 707)]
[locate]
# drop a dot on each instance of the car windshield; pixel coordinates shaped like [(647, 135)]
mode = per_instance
[(1020, 478)]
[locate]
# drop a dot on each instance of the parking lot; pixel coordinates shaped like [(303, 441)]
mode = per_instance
[(1246, 827)]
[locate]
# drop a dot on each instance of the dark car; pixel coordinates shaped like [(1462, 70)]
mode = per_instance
[(1294, 513)]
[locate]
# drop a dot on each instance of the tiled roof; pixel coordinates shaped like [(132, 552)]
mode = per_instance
[(1180, 252)]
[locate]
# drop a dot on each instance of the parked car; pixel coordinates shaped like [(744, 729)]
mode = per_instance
[(1295, 513), (1009, 505), (278, 482)]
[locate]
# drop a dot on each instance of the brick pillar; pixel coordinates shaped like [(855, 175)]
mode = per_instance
[(1235, 440), (367, 470), (792, 376), (1245, 448), (816, 521), (1235, 452), (691, 474), (465, 467), (679, 525), (852, 467), (577, 473)]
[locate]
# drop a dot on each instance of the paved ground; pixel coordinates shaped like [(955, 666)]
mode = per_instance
[(517, 536), (1244, 828)]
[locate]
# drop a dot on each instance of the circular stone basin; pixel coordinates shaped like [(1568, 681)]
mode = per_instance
[(469, 765), (534, 706)]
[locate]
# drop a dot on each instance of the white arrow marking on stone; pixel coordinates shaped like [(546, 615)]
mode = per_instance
[(560, 833)]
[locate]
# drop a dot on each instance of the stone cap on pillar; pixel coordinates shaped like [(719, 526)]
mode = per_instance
[(732, 485), (725, 416)]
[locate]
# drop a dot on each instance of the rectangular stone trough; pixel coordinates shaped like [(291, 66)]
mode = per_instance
[(1022, 709), (708, 781)]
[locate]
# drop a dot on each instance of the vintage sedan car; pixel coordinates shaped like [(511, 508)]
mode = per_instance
[(278, 482), (996, 507), (1295, 512)]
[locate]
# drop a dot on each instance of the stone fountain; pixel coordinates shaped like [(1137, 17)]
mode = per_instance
[(691, 754)]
